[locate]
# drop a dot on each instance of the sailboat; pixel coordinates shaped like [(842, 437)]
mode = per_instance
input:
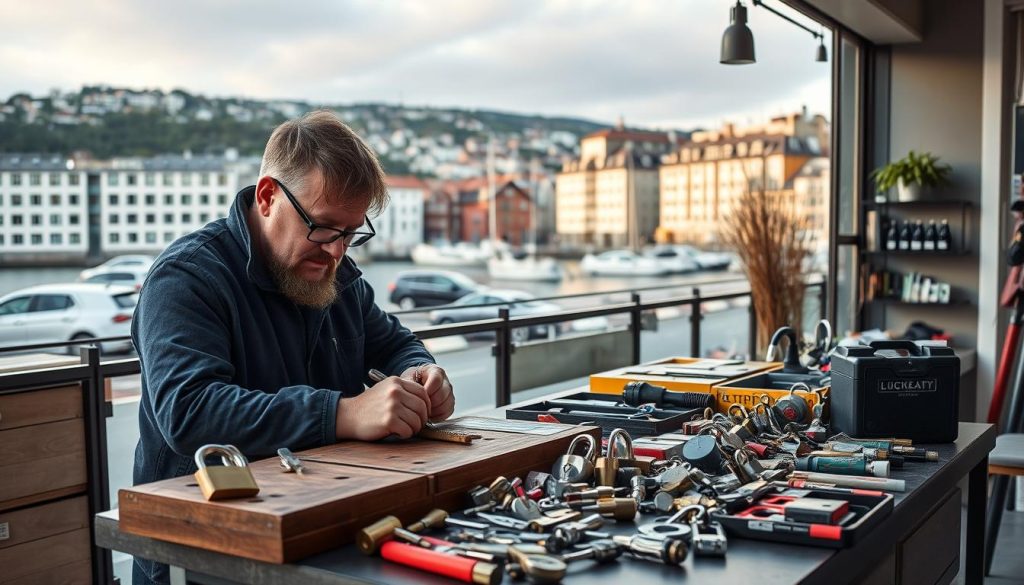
[(506, 264)]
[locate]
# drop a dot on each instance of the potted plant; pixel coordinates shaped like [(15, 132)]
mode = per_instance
[(910, 174)]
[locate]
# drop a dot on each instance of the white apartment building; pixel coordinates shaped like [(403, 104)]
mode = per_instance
[(43, 208), (400, 226), (608, 197), (59, 210)]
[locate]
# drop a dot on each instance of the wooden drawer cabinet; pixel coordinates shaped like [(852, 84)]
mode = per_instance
[(47, 543), (930, 555), (42, 462)]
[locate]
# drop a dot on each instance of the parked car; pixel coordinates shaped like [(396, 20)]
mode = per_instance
[(427, 288), (676, 261), (469, 308), (136, 263), (621, 263), (52, 313), (132, 279)]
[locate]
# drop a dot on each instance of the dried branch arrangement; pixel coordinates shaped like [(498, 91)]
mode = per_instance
[(771, 238)]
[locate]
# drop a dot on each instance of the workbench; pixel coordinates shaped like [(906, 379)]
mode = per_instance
[(918, 543)]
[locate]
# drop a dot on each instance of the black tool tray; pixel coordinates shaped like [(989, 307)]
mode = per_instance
[(606, 411), (867, 508)]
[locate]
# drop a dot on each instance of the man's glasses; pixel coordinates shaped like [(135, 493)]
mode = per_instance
[(322, 234)]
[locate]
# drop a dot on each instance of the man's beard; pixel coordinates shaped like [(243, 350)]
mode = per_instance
[(318, 294)]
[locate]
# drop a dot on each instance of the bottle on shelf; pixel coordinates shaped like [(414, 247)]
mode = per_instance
[(904, 242), (943, 239), (917, 237), (892, 236), (930, 236)]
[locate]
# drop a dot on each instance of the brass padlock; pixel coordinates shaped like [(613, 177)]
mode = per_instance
[(607, 467), (232, 480)]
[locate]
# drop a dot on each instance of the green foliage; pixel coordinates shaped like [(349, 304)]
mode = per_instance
[(914, 169)]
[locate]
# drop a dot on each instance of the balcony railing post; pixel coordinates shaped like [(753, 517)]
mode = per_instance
[(94, 403), (636, 315), (503, 354), (752, 343), (695, 319), (821, 299)]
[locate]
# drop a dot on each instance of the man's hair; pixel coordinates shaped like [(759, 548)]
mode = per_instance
[(319, 140)]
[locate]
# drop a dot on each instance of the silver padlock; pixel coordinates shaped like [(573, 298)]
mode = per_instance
[(793, 408), (573, 468)]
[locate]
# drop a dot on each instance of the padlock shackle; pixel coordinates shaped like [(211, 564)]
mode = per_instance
[(229, 455), (616, 437), (591, 453)]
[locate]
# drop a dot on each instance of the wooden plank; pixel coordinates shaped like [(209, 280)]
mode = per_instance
[(41, 458), (28, 524), (35, 407), (77, 573), (292, 516), (454, 468), (39, 556), (35, 361)]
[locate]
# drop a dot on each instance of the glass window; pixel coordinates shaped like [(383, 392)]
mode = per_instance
[(56, 239), (168, 180), (35, 200), (150, 218), (204, 199), (186, 218), (113, 218), (55, 200), (113, 179), (186, 179), (112, 199), (16, 219), (37, 219), (37, 239), (150, 199), (15, 200), (35, 179), (15, 179), (150, 179), (52, 302), (168, 237), (222, 180), (168, 218), (150, 237), (131, 199), (74, 239), (186, 199), (168, 199), (133, 218), (72, 199), (133, 237), (73, 179), (54, 219), (222, 199), (204, 179), (204, 217), (131, 179), (114, 238), (17, 239), (73, 219), (16, 306), (54, 179)]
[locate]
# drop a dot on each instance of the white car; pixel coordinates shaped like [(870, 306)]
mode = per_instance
[(676, 261), (53, 313), (621, 263), (136, 263)]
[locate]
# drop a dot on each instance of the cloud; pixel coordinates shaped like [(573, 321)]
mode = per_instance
[(653, 61)]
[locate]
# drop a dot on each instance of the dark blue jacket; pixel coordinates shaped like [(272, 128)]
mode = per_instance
[(227, 359)]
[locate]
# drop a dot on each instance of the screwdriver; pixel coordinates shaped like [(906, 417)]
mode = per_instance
[(429, 430)]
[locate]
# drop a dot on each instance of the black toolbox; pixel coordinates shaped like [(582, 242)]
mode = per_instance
[(606, 411), (896, 389)]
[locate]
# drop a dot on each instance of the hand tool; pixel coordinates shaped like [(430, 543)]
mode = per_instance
[(430, 430), (671, 551), (568, 534), (800, 478), (849, 465), (708, 539), (601, 551), (539, 568), (456, 567), (618, 508), (638, 392), (433, 519), (370, 538), (290, 462)]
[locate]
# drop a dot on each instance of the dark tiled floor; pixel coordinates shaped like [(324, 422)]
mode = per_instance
[(1008, 564)]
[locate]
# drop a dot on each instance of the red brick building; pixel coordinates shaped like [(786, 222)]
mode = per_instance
[(513, 210)]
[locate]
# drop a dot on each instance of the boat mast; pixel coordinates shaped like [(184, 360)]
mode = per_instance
[(492, 192)]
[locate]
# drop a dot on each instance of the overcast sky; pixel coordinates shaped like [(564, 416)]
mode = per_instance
[(655, 62)]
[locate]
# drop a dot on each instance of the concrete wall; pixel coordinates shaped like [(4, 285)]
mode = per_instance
[(936, 106)]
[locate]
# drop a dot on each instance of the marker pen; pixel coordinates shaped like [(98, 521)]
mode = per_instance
[(849, 465)]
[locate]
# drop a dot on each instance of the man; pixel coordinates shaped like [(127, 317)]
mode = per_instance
[(258, 331)]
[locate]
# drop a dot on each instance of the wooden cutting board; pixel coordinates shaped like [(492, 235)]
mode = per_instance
[(346, 487)]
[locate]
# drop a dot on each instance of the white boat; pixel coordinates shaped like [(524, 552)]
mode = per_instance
[(505, 265), (461, 254), (621, 263)]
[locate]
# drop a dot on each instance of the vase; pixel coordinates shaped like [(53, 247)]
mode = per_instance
[(905, 192)]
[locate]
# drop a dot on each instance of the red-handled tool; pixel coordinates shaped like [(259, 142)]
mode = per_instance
[(456, 567)]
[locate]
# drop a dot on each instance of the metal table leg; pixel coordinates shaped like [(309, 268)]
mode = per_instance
[(975, 546)]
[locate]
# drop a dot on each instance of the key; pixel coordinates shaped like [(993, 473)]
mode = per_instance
[(600, 551)]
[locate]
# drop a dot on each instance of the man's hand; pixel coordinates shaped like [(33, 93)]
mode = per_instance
[(439, 389), (397, 406)]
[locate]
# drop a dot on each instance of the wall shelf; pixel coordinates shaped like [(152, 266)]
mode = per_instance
[(872, 204)]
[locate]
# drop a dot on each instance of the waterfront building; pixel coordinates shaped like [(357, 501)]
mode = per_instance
[(400, 226)]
